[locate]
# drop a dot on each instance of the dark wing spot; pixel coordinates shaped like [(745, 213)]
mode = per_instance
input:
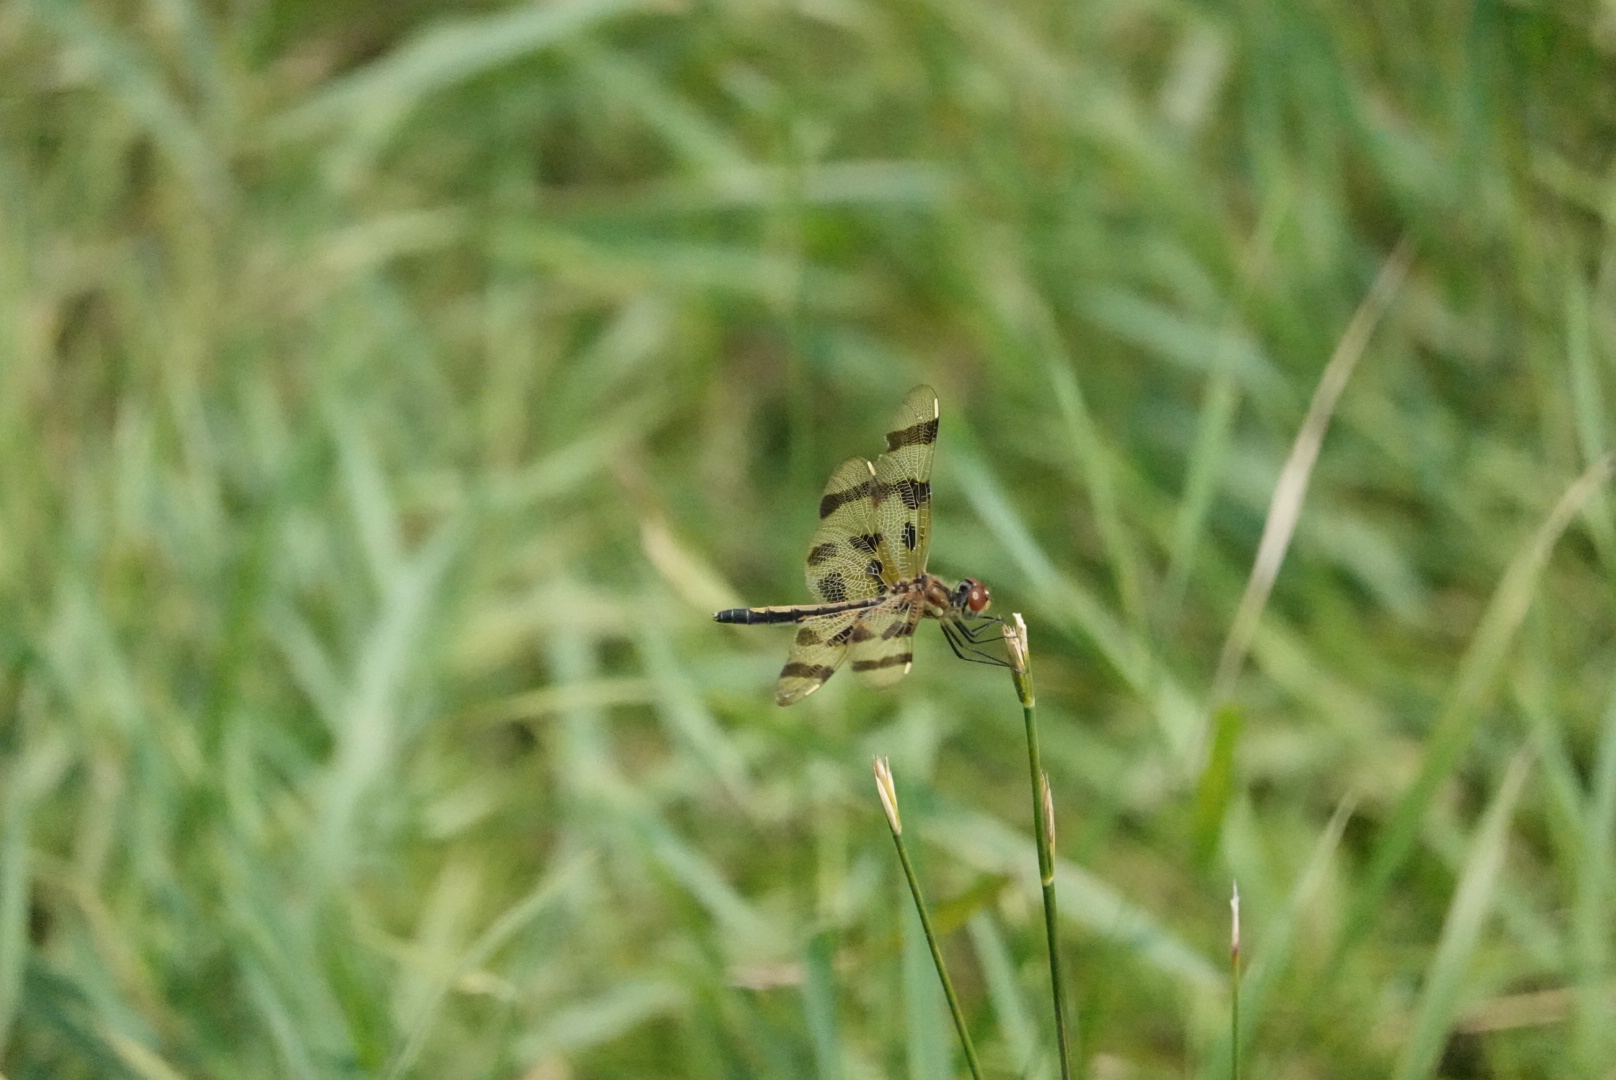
[(919, 434), (900, 629), (867, 543), (860, 632), (910, 537), (821, 553), (809, 636), (842, 636), (833, 587), (874, 568), (835, 500), (914, 493), (894, 660), (818, 672)]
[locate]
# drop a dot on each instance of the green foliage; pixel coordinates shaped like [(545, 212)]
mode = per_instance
[(389, 393)]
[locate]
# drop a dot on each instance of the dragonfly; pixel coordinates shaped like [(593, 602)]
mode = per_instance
[(866, 567)]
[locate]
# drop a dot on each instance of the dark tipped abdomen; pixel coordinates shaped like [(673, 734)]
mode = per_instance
[(750, 616)]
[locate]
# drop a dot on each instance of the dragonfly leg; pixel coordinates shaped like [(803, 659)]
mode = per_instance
[(962, 643), (971, 633)]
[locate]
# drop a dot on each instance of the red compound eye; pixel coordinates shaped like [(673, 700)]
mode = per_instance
[(978, 599)]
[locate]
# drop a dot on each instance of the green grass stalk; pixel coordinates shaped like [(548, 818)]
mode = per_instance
[(889, 802), (1043, 809)]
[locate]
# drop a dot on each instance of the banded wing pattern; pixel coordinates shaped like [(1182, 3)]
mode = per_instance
[(847, 565), (817, 651), (881, 643), (847, 558), (903, 482)]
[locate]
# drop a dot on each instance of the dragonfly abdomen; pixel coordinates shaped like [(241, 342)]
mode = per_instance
[(788, 614)]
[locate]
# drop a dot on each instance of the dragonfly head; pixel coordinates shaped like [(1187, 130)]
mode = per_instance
[(972, 596)]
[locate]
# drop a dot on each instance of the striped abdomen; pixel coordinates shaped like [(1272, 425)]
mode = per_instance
[(788, 614)]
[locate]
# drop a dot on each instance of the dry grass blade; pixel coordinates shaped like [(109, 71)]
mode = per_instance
[(1286, 505)]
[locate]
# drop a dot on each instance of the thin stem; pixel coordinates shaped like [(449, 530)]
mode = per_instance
[(1043, 830), (1234, 1026), (1043, 812), (937, 958)]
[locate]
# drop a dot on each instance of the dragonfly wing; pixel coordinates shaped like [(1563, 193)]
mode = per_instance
[(845, 560), (902, 491), (817, 651), (882, 640)]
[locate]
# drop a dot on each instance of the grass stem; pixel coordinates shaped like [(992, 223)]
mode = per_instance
[(889, 803), (1043, 808)]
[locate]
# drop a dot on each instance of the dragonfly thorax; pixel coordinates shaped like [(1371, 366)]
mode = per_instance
[(969, 597)]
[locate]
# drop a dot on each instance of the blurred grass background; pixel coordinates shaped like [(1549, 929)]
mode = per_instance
[(390, 392)]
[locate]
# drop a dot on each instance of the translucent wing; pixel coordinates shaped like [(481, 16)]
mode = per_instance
[(902, 490), (845, 557), (881, 641), (818, 650)]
